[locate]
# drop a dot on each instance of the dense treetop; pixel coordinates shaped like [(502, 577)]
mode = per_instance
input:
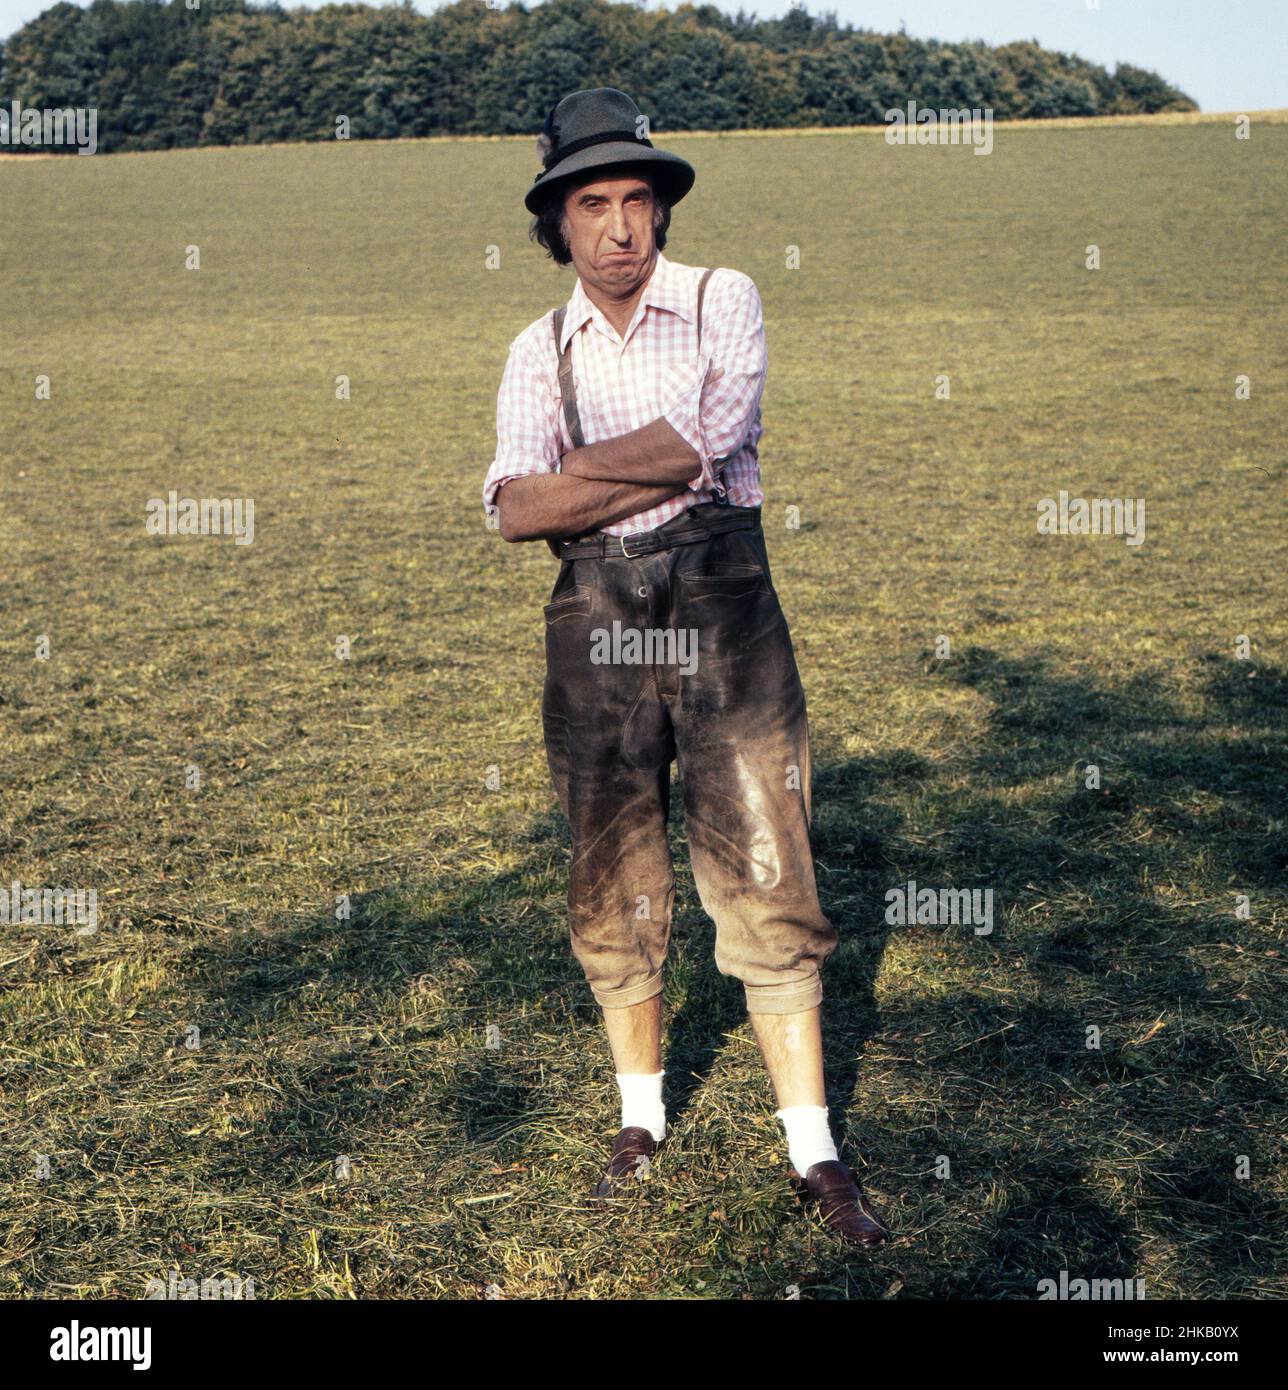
[(162, 75)]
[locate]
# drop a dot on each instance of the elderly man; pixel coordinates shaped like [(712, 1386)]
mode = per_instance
[(627, 426)]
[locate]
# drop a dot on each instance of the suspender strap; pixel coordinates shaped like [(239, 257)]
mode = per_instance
[(702, 289), (567, 386), (568, 389)]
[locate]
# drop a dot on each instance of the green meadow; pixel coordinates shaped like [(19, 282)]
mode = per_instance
[(229, 1080)]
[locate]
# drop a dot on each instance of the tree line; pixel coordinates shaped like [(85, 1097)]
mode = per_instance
[(162, 75)]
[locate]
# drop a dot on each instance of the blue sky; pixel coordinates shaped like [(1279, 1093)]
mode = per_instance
[(1229, 55)]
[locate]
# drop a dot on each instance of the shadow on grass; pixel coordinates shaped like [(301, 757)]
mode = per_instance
[(1114, 904)]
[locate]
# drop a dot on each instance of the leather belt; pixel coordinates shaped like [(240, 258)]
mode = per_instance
[(680, 531)]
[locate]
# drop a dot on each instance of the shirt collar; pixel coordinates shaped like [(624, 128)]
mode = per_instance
[(665, 290)]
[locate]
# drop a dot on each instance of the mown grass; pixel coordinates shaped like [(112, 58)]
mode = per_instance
[(367, 777)]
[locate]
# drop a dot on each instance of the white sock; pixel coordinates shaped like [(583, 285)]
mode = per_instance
[(642, 1103), (809, 1139)]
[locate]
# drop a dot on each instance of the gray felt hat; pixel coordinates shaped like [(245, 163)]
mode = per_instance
[(596, 129)]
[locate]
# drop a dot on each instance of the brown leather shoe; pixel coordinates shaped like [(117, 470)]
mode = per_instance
[(840, 1203), (632, 1150)]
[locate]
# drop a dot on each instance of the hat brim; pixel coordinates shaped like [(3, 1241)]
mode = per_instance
[(675, 176)]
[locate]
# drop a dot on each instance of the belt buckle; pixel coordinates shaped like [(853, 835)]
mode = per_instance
[(623, 539)]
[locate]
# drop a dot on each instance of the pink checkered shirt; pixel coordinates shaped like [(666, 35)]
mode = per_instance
[(654, 371)]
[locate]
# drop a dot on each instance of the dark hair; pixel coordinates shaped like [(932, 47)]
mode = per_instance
[(545, 225)]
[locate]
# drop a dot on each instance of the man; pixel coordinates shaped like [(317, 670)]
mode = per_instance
[(627, 427)]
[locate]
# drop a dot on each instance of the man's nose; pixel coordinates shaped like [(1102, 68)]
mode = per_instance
[(619, 228)]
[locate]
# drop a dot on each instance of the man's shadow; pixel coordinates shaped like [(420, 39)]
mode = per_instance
[(1194, 773)]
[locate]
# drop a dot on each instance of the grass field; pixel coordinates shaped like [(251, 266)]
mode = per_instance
[(367, 777)]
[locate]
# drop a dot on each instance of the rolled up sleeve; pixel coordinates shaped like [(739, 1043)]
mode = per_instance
[(716, 418), (527, 435)]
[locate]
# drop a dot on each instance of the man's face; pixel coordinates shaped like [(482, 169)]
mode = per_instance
[(609, 230)]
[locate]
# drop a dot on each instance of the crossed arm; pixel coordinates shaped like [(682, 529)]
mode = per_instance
[(710, 407), (599, 484)]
